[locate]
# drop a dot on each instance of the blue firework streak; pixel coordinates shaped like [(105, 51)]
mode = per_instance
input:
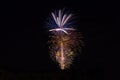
[(60, 21)]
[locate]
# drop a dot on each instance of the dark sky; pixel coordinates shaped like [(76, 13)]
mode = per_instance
[(25, 37)]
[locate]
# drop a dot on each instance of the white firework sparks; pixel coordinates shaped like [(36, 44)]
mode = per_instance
[(61, 21)]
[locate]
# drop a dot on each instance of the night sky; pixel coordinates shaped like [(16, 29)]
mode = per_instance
[(25, 49)]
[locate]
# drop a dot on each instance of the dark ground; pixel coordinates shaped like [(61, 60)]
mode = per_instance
[(25, 54)]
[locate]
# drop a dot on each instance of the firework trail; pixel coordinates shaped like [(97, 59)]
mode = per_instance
[(64, 42)]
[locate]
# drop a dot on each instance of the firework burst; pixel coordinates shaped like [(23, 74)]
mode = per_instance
[(64, 41)]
